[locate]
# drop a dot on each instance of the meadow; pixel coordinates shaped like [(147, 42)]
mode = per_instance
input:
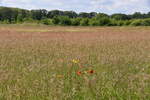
[(74, 63)]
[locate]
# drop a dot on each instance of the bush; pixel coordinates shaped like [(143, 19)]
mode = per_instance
[(84, 22), (47, 21), (64, 20), (93, 22), (61, 20), (120, 23), (146, 22), (104, 22), (113, 22), (55, 20), (76, 21), (30, 20), (139, 22), (5, 22), (127, 22)]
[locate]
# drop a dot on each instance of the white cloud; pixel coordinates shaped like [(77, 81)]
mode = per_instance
[(124, 6), (106, 6)]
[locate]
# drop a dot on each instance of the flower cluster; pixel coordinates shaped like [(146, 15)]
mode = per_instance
[(85, 72), (79, 72), (75, 61)]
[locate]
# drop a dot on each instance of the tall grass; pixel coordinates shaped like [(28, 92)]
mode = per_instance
[(37, 68)]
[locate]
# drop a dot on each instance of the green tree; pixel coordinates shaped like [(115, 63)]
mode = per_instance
[(54, 13), (102, 15), (70, 14), (120, 16), (84, 15), (137, 15), (38, 14)]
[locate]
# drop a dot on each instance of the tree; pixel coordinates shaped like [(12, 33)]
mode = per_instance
[(8, 14), (39, 14), (84, 15), (120, 17), (101, 15), (92, 14), (137, 15), (54, 13), (22, 14), (70, 14)]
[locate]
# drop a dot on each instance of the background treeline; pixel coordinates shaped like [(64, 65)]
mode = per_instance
[(56, 17)]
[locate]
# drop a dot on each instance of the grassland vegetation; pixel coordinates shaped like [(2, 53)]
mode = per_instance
[(74, 63)]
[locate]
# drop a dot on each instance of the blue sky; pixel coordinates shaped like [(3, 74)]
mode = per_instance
[(105, 6)]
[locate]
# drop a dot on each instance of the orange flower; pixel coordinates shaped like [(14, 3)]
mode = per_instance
[(79, 73), (91, 71)]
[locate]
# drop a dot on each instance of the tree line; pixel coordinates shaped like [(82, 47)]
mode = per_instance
[(10, 15)]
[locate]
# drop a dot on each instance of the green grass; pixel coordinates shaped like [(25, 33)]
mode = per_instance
[(43, 70)]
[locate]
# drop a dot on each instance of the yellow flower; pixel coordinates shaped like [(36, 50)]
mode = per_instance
[(75, 61)]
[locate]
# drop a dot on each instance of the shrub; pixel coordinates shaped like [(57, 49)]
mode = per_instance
[(29, 20), (146, 22), (47, 21), (141, 22), (127, 22), (84, 22), (5, 22), (137, 22), (64, 20), (76, 21), (113, 22), (104, 22), (61, 20), (93, 22), (55, 20), (120, 23)]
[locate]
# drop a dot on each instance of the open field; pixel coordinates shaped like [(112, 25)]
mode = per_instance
[(74, 63)]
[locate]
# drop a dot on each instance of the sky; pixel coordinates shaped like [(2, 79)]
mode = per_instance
[(103, 6)]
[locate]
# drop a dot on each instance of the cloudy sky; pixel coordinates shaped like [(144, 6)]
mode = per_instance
[(106, 6)]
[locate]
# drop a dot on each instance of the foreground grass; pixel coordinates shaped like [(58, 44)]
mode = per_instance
[(45, 69)]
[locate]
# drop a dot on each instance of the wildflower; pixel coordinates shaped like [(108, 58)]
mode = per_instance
[(91, 71), (75, 61), (79, 72)]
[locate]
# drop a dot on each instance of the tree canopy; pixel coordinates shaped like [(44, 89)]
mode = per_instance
[(58, 17)]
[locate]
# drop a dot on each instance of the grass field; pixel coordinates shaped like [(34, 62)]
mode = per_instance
[(74, 63)]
